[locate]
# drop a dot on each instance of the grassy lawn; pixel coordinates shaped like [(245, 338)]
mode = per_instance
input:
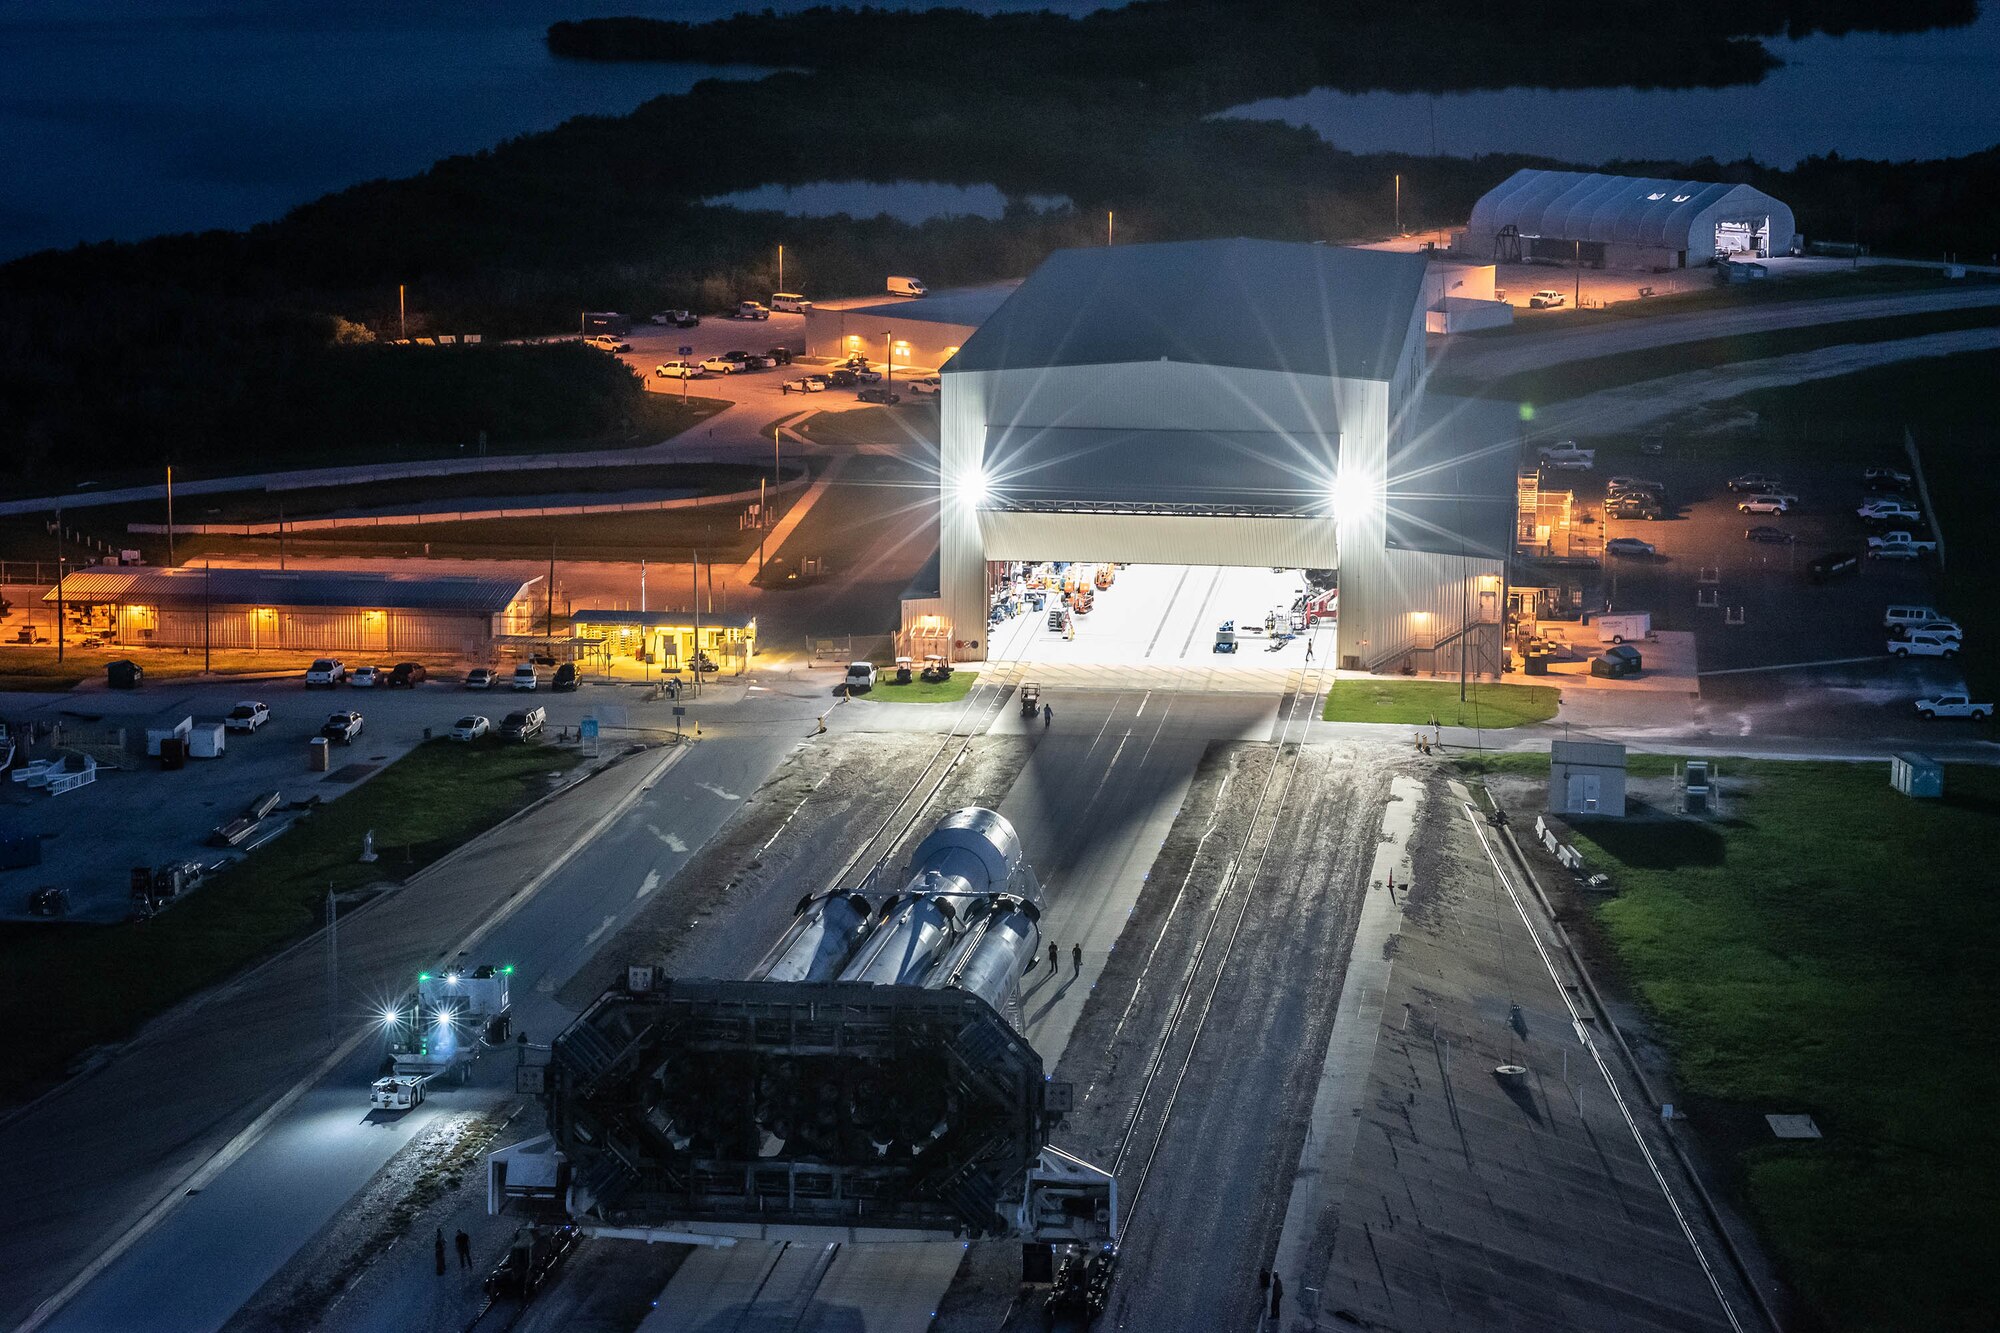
[(1417, 702), (1822, 950), (421, 807), (1573, 379), (909, 422), (922, 692), (35, 668)]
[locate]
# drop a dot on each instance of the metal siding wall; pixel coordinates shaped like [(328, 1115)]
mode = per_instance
[(1161, 539), (431, 631), (1386, 622), (322, 631), (1166, 395), (962, 417)]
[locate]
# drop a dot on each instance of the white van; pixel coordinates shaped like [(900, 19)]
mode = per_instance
[(1617, 629), (1908, 616), (791, 301), (906, 287)]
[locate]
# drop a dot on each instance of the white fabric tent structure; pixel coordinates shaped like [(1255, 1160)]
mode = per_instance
[(1623, 221)]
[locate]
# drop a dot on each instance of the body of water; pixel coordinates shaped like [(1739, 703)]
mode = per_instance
[(906, 201), (1918, 96), (121, 119)]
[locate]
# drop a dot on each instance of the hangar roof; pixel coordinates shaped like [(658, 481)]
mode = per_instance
[(1302, 309), (971, 306), (290, 588), (1632, 210), (1451, 484), (1156, 471)]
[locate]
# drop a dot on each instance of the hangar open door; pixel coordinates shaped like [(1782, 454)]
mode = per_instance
[(1744, 236)]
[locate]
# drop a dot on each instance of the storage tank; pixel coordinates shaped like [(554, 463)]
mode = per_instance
[(976, 844), (820, 940), (915, 928)]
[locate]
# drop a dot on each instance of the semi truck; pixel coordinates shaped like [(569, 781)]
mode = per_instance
[(441, 1027)]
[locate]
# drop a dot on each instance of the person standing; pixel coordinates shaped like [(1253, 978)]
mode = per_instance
[(1048, 716), (1053, 964), (1309, 650), (464, 1243), (1277, 1295), (438, 1245), (1076, 958)]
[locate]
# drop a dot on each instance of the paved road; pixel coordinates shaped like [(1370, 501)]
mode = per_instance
[(1497, 357), (103, 1149), (1632, 406)]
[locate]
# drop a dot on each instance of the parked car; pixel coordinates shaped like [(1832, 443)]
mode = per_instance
[(470, 728), (1581, 460), (885, 397), (479, 678), (1765, 504), (523, 723), (860, 676), (1899, 537), (524, 678), (1637, 485), (247, 716), (716, 365), (678, 370), (900, 285), (1920, 644), (1768, 535), (680, 319), (809, 384), (51, 900), (408, 675), (1949, 628), (1754, 481), (1634, 506), (1630, 546), (565, 679), (841, 378), (1908, 617), (866, 375), (1877, 511), (604, 342), (781, 355), (931, 385), (326, 671), (1953, 705), (1884, 478), (790, 302), (342, 727), (366, 677), (759, 361), (1902, 551), (751, 310), (1547, 299), (1621, 660), (1830, 567)]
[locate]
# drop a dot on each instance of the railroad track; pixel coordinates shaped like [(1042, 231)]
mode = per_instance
[(1194, 1002)]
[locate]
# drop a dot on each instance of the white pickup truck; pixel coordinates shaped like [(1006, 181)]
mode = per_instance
[(1900, 550), (1901, 537), (1569, 456), (1953, 705)]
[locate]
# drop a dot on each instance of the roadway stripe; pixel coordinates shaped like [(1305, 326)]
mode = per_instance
[(1793, 666)]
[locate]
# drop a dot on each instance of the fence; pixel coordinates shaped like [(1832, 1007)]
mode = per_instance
[(1570, 858)]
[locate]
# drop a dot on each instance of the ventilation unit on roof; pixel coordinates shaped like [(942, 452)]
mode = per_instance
[(1682, 198), (1661, 195)]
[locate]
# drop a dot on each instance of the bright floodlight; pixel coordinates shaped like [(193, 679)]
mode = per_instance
[(390, 1018), (973, 488), (1346, 496)]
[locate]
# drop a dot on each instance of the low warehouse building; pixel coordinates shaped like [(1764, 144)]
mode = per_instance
[(1622, 221), (923, 332), (665, 638), (308, 611)]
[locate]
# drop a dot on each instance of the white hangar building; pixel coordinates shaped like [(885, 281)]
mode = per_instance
[(1622, 221), (1228, 403)]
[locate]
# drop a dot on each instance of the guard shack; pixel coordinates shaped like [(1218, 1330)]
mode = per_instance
[(1587, 778)]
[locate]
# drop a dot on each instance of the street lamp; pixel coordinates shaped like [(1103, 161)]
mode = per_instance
[(889, 359)]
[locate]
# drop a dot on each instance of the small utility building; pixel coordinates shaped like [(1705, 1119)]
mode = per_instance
[(1622, 221), (1587, 778), (307, 611), (665, 638)]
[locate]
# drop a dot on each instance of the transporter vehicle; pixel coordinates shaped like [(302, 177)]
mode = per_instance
[(869, 1081), (906, 286), (790, 302), (470, 728), (782, 355), (1921, 643), (247, 716), (1953, 705), (524, 678), (605, 342), (1082, 1285), (523, 724), (479, 678), (860, 677), (342, 727), (325, 671), (1031, 697), (443, 1025), (1547, 299), (678, 370), (399, 1092)]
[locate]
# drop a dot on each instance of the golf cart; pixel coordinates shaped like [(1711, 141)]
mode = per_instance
[(936, 669), (1031, 698), (903, 665)]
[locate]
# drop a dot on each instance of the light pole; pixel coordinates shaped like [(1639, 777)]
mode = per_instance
[(1399, 203), (402, 315), (170, 516), (781, 268), (888, 360), (1108, 215)]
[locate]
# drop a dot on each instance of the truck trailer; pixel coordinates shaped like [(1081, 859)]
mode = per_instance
[(442, 1026)]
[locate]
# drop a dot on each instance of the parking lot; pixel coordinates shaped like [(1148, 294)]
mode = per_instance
[(1750, 604), (137, 814)]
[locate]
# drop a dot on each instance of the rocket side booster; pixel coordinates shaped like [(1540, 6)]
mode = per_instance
[(821, 939)]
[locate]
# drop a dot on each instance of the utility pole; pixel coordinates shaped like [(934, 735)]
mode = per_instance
[(781, 268), (170, 516), (1399, 203), (402, 315), (60, 616), (207, 621), (549, 624), (642, 587), (889, 359), (281, 536), (694, 659), (1108, 215), (763, 523), (1576, 302), (332, 965), (774, 455)]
